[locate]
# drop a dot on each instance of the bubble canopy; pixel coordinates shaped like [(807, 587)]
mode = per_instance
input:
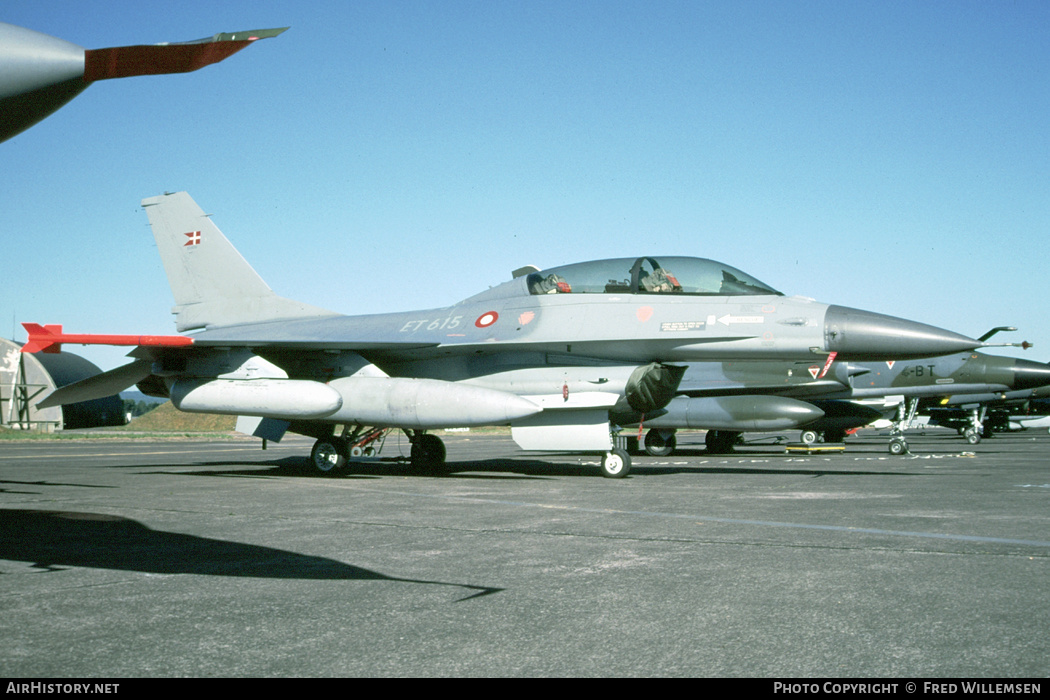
[(648, 275)]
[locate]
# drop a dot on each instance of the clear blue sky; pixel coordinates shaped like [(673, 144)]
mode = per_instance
[(384, 156)]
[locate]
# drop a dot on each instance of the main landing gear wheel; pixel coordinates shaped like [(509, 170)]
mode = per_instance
[(329, 454), (428, 454), (898, 446), (659, 443), (834, 436), (721, 442), (616, 464), (973, 435)]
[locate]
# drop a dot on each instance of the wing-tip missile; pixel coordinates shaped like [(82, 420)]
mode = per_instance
[(41, 73), (49, 339)]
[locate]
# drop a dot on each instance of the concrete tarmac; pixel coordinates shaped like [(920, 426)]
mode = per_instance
[(157, 558)]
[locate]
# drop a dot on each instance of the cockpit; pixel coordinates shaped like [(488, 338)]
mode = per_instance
[(669, 275)]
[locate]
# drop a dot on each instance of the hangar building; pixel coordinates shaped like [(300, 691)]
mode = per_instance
[(25, 379)]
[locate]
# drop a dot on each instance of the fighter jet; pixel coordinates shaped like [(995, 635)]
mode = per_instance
[(550, 352), (730, 398), (977, 416), (969, 379), (40, 73)]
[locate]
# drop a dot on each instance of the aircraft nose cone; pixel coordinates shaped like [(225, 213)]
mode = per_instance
[(864, 335), (38, 74), (31, 60), (1029, 375)]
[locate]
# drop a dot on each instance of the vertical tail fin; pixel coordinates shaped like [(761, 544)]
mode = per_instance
[(212, 283)]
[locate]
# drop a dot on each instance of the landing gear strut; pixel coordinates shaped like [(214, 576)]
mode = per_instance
[(906, 413), (976, 430)]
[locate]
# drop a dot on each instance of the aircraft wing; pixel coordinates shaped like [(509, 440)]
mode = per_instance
[(99, 386), (159, 351), (176, 57), (50, 338), (326, 333), (40, 73)]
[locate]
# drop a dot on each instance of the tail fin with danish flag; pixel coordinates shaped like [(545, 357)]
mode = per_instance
[(212, 283)]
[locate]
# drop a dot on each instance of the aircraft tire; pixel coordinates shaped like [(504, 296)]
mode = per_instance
[(835, 436), (656, 445), (616, 464), (329, 454), (809, 436), (898, 446), (973, 436), (721, 442), (428, 454)]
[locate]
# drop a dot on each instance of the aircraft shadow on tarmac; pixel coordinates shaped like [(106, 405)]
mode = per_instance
[(300, 468), (52, 540), (514, 469), (11, 486)]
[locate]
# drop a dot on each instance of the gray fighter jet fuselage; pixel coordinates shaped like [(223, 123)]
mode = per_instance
[(549, 353)]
